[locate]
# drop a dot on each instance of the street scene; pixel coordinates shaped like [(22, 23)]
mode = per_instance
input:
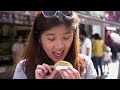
[(43, 38)]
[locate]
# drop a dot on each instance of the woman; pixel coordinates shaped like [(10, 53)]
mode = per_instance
[(98, 48), (54, 37), (17, 49)]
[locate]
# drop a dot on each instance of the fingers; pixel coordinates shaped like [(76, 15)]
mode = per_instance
[(52, 74), (64, 74), (42, 70), (45, 68), (70, 73), (39, 71), (48, 67), (39, 74), (76, 73)]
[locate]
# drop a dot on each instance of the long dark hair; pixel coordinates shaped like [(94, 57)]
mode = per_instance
[(34, 53), (97, 36)]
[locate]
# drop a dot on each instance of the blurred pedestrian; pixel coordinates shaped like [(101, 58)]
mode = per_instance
[(93, 40), (112, 40), (86, 46), (54, 37), (17, 49), (98, 47), (107, 59)]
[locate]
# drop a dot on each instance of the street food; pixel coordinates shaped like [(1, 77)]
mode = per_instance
[(62, 65)]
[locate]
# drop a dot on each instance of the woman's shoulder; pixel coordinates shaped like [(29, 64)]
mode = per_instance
[(90, 71), (21, 65), (85, 58), (20, 70), (22, 62)]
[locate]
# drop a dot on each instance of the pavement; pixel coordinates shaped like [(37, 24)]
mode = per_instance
[(114, 71), (119, 71)]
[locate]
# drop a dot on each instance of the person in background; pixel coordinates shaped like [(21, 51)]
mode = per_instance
[(93, 40), (86, 46), (98, 47), (107, 59), (110, 42), (17, 49)]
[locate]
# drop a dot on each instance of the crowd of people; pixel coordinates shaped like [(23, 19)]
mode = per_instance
[(97, 50)]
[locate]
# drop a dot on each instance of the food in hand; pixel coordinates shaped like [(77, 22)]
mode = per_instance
[(62, 65)]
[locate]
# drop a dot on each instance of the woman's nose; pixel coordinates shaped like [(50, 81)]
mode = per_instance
[(59, 45)]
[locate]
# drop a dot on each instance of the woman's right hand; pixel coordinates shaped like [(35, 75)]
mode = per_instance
[(42, 70)]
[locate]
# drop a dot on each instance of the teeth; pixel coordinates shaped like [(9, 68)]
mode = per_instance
[(59, 52)]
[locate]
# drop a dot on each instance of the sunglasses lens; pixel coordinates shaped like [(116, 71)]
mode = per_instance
[(49, 13), (67, 13)]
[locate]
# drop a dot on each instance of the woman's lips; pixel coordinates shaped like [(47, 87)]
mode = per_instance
[(58, 55)]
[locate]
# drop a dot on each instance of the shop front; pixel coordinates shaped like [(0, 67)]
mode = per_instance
[(11, 26), (95, 25)]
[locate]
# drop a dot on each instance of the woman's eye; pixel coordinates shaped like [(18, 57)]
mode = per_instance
[(51, 39), (66, 38)]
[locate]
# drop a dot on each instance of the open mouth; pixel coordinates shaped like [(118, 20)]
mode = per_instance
[(58, 55)]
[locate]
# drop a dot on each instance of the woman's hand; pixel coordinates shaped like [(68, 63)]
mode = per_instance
[(42, 70), (70, 73)]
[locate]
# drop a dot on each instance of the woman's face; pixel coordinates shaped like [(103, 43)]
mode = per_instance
[(56, 42)]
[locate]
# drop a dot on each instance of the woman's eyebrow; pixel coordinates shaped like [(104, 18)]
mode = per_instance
[(50, 34), (53, 34), (67, 32)]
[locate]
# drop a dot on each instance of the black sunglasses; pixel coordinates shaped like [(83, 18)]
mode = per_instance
[(50, 14)]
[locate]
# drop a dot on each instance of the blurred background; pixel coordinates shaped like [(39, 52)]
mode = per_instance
[(18, 23)]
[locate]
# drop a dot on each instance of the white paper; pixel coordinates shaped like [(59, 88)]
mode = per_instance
[(61, 67)]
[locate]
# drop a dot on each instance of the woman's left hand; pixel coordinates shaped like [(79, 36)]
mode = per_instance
[(70, 73)]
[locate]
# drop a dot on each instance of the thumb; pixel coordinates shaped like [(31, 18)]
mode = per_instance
[(52, 74)]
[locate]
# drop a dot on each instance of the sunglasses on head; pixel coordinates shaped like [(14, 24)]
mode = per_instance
[(54, 13)]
